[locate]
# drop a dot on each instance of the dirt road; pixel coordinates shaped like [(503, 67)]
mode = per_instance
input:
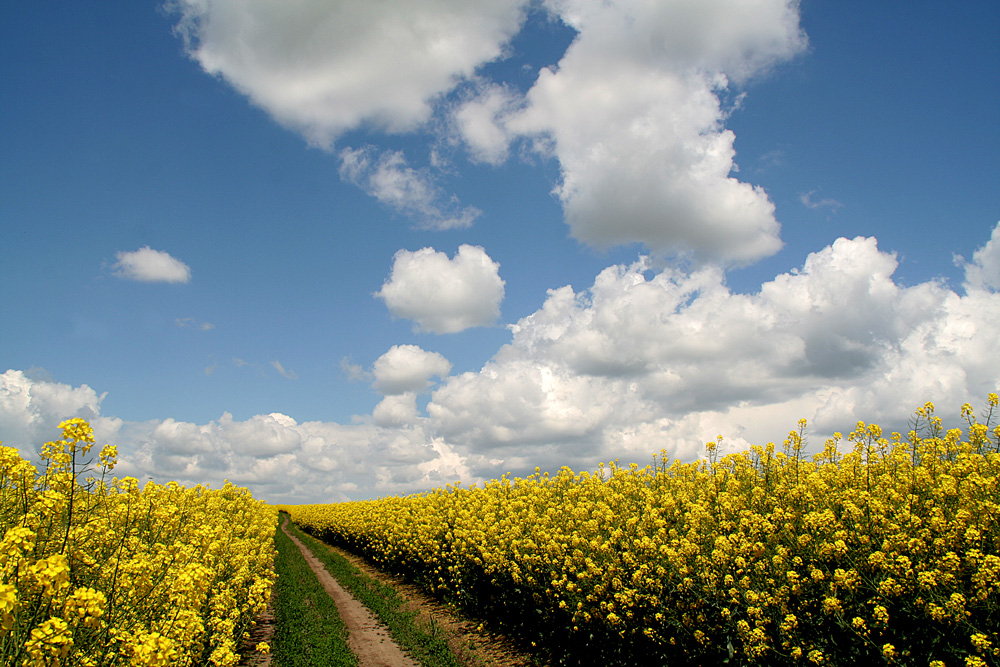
[(367, 637)]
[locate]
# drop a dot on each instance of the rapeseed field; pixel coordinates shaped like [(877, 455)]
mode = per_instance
[(99, 572), (881, 549)]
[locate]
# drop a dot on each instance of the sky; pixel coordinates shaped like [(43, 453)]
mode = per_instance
[(336, 250)]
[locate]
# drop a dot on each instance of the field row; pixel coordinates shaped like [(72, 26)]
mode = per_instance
[(877, 550)]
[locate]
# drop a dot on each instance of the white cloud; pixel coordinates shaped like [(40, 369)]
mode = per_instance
[(30, 410), (184, 322), (261, 435), (285, 373), (638, 127), (323, 68), (396, 410), (408, 369), (632, 111), (639, 362), (151, 266), (444, 295), (410, 192), (808, 201), (277, 457), (481, 122), (983, 272)]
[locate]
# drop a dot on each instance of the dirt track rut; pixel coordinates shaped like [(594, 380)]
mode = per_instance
[(367, 637)]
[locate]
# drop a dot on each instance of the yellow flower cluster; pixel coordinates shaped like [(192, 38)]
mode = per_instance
[(98, 573), (888, 552)]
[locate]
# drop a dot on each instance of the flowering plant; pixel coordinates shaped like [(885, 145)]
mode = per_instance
[(98, 572), (888, 552)]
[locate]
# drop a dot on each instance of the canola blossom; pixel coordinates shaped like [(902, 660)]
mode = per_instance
[(99, 573), (885, 553)]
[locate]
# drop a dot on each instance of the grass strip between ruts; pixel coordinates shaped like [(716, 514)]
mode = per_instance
[(428, 646), (308, 630)]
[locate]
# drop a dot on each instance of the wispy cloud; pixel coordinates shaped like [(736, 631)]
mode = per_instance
[(808, 201), (354, 372), (291, 375), (772, 158), (243, 363), (185, 322), (410, 192)]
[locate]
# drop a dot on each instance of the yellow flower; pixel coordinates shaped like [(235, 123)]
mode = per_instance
[(8, 605), (51, 639)]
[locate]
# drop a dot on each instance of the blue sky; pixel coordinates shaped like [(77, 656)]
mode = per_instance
[(331, 250)]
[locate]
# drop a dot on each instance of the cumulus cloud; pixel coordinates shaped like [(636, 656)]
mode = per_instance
[(640, 361), (323, 68), (410, 192), (443, 295), (632, 111), (481, 122), (637, 125), (275, 456), (408, 368), (31, 409), (151, 266), (983, 272), (396, 410)]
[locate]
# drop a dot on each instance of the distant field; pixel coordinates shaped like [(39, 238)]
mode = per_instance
[(884, 548)]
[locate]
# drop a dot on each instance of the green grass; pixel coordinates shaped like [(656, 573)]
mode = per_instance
[(308, 631), (428, 646)]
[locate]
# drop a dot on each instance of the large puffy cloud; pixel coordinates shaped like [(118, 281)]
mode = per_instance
[(408, 368), (639, 363), (31, 409), (275, 456), (323, 67), (151, 266), (637, 125), (444, 295), (632, 111)]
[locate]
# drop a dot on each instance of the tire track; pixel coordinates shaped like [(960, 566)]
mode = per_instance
[(368, 638)]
